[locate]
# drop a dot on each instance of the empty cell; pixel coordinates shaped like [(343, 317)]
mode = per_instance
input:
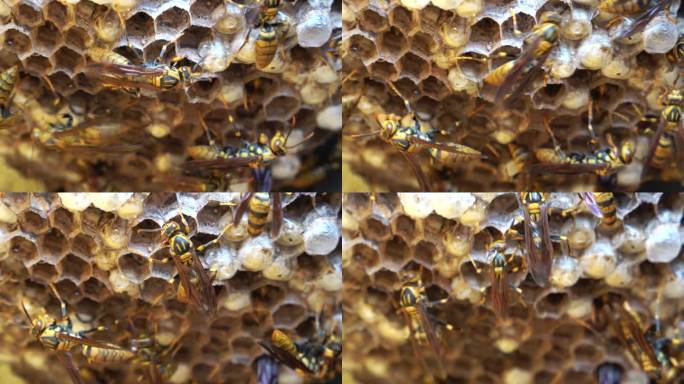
[(403, 19), (95, 289), (435, 88), (395, 253), (43, 271), (52, 245), (426, 253), (431, 19), (140, 28), (74, 268), (204, 8), (16, 41), (33, 222), (485, 31), (62, 83), (383, 70), (414, 67), (63, 220), (172, 21), (26, 14), (269, 295), (23, 248), (363, 47), (37, 65), (57, 13), (374, 229), (153, 289), (282, 107), (372, 20), (67, 60), (47, 38), (193, 36), (204, 90), (288, 315), (135, 267), (392, 44), (242, 345)]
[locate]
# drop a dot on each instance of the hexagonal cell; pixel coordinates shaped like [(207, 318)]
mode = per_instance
[(38, 65), (431, 19), (243, 345), (587, 353), (365, 255), (413, 67), (135, 267), (96, 289), (68, 290), (282, 107), (288, 315), (383, 70), (90, 220), (373, 20), (408, 89), (203, 90), (63, 220), (84, 246), (203, 9), (87, 310), (62, 83), (43, 271), (31, 221), (405, 227), (154, 289), (434, 88), (172, 21), (87, 85), (52, 245), (395, 253), (549, 96), (16, 41), (422, 44), (254, 322), (233, 373), (47, 38), (386, 279), (68, 60), (363, 47), (268, 295), (404, 19), (486, 31), (392, 44), (26, 14), (57, 13), (74, 268), (374, 229), (426, 254), (192, 38), (525, 23), (140, 28), (77, 38), (23, 248)]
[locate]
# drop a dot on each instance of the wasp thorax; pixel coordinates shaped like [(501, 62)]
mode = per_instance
[(551, 17), (170, 228), (278, 144)]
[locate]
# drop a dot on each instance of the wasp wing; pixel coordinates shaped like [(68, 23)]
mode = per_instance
[(530, 73), (277, 221), (632, 335), (679, 147), (454, 148), (242, 207), (221, 163), (590, 201), (420, 175), (538, 260), (645, 18), (86, 341), (206, 286), (499, 293), (567, 169), (429, 330), (67, 362), (521, 63), (652, 148), (189, 289)]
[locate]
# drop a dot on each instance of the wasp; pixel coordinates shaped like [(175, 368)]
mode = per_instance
[(182, 253), (414, 304), (257, 205), (517, 74), (153, 357), (60, 337), (8, 79), (644, 346), (647, 10), (318, 360), (153, 76), (603, 205), (668, 141), (407, 135), (257, 156), (501, 264), (676, 55)]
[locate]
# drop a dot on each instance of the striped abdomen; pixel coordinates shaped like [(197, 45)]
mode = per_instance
[(203, 152), (663, 152), (606, 203), (107, 355), (259, 206), (452, 159), (265, 46), (624, 7), (181, 245)]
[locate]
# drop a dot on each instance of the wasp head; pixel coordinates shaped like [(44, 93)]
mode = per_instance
[(169, 229), (388, 124), (277, 144), (674, 97)]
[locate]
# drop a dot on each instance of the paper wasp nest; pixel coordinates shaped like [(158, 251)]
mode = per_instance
[(54, 41), (89, 246), (548, 337), (418, 46)]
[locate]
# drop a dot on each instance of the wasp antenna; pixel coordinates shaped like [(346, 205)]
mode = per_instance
[(149, 230), (23, 307), (306, 138), (353, 135)]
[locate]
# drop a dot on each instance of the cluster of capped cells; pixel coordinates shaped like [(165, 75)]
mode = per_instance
[(54, 42), (90, 247), (547, 337), (436, 54)]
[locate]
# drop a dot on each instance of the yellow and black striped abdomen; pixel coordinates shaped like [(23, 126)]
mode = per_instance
[(259, 206), (180, 245), (606, 203), (663, 152), (106, 355), (265, 46), (498, 75), (283, 342)]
